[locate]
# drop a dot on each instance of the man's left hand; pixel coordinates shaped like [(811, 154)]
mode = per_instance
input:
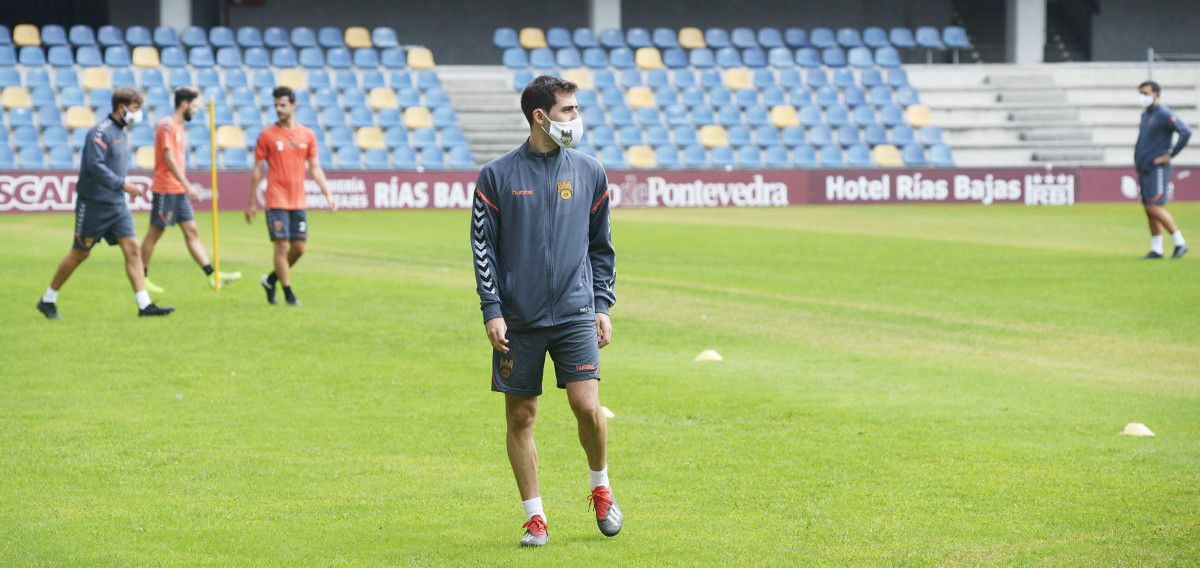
[(1163, 159), (603, 329)]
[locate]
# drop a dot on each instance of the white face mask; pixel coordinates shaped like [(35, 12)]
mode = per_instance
[(565, 134), (132, 118), (1145, 100)]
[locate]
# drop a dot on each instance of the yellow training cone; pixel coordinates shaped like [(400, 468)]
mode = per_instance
[(708, 355), (1137, 429)]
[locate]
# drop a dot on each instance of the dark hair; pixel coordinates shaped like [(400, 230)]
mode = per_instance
[(284, 92), (125, 96), (1154, 88), (542, 93), (185, 95)]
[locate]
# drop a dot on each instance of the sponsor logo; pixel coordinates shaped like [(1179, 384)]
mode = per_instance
[(1049, 189), (522, 192), (506, 368), (565, 190), (1031, 189), (585, 367), (396, 194), (53, 192), (656, 191)]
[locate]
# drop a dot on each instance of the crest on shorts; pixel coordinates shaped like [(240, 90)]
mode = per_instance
[(564, 189), (506, 368), (87, 242)]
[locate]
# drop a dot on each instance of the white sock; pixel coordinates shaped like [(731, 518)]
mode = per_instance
[(533, 507), (1156, 244), (50, 296), (143, 299), (1178, 236), (599, 478)]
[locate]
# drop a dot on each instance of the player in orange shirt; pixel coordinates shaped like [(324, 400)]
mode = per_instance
[(285, 147), (172, 189)]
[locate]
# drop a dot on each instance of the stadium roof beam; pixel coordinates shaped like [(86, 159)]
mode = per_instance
[(1026, 31)]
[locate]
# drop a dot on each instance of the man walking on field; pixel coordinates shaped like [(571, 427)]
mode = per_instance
[(286, 147), (1152, 157), (172, 190), (544, 271)]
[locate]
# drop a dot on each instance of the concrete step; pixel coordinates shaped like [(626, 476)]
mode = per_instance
[(1021, 81), (498, 103), (1056, 135), (1057, 115), (1069, 155), (509, 138), (1033, 96)]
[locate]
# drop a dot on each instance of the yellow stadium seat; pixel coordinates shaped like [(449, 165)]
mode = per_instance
[(581, 77), (80, 117), (917, 115), (640, 97), (648, 58), (738, 78), (26, 34), (145, 56), (144, 158), (420, 58), (641, 157), (783, 116), (358, 37), (369, 137), (691, 38), (382, 97), (417, 117), (887, 156), (230, 136), (294, 78), (713, 136), (532, 38), (96, 78), (16, 97)]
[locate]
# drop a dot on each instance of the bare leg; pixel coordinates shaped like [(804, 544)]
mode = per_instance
[(152, 235), (584, 397), (67, 266), (522, 454), (1160, 216), (133, 263), (191, 235), (281, 262), (295, 251)]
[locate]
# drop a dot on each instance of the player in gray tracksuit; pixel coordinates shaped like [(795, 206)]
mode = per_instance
[(100, 208), (1152, 158), (544, 271)]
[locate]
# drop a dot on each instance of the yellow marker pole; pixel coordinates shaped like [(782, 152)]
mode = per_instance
[(212, 134)]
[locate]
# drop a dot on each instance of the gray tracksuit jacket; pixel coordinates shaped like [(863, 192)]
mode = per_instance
[(540, 238), (103, 164), (1159, 124)]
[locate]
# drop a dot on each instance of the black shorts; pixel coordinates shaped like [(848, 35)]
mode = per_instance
[(95, 221), (1156, 185), (574, 347), (170, 208), (287, 224)]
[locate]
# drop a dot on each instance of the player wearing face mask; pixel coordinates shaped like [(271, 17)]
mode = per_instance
[(1152, 158), (101, 211)]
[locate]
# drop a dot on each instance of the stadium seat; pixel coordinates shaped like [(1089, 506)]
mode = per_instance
[(777, 157), (54, 34), (691, 38), (808, 57), (329, 37), (638, 37), (738, 135), (738, 78), (8, 57), (907, 96), (875, 37), (81, 35), (568, 57), (382, 98), (505, 38), (338, 58), (897, 77), (754, 58), (858, 156), (631, 136), (357, 37), (640, 157), (249, 36), (558, 38), (33, 78), (955, 37), (940, 156), (532, 38), (584, 38), (902, 135), (902, 38), (420, 58), (783, 116), (803, 156), (728, 57), (60, 157), (164, 36), (648, 58), (742, 38), (263, 78), (914, 156), (80, 117), (392, 58), (293, 78), (917, 116), (864, 115), (848, 37), (229, 57), (713, 136), (621, 58), (310, 57), (931, 135), (230, 136), (274, 37), (207, 78), (542, 58), (221, 36), (886, 156), (702, 58), (664, 38), (369, 137), (833, 57), (193, 36), (303, 36), (581, 77), (26, 34), (173, 57), (96, 78), (143, 159), (928, 37), (31, 158), (817, 78), (860, 57), (32, 55), (795, 38), (417, 117), (831, 157), (749, 156), (111, 35), (145, 56), (235, 158), (383, 37), (59, 56)]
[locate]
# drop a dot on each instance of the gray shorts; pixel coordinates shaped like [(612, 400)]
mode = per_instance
[(170, 208), (287, 224), (95, 221), (574, 347)]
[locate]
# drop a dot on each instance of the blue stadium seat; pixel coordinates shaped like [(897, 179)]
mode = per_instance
[(60, 56), (460, 158), (53, 34), (931, 135), (400, 79), (395, 137), (5, 39), (70, 96), (832, 157), (722, 157), (505, 38), (404, 158), (833, 57), (275, 36), (658, 79), (338, 58), (757, 116), (880, 96), (568, 57), (875, 135), (664, 38), (891, 115), (631, 136), (795, 38), (808, 57), (875, 37), (541, 57), (667, 157), (837, 115), (928, 37), (621, 58), (820, 135), (754, 58), (383, 38), (817, 78), (703, 116), (8, 57), (193, 36), (859, 156), (432, 158), (871, 77), (33, 55), (702, 58), (241, 97), (657, 135), (376, 159), (749, 156), (854, 96), (746, 97), (682, 78), (304, 115), (822, 38), (408, 96), (7, 160), (686, 135), (235, 159), (360, 117), (907, 96), (676, 115), (310, 57), (221, 36), (848, 135), (738, 135), (584, 38), (769, 38), (743, 38), (648, 116), (453, 136), (392, 58), (81, 35), (602, 135), (804, 157), (637, 37), (111, 35), (675, 58), (729, 116), (940, 156), (24, 134), (236, 78), (255, 57), (777, 157), (887, 57), (117, 56), (849, 37), (444, 117), (61, 157), (902, 38), (31, 158), (695, 157), (201, 56), (249, 36), (897, 77), (716, 38), (558, 38), (173, 57), (620, 116), (121, 77), (389, 118), (229, 57), (864, 115), (914, 156), (263, 78), (303, 36), (903, 135), (373, 79), (207, 77), (586, 97), (666, 97), (728, 57), (141, 135), (604, 79), (427, 80), (766, 135), (49, 115), (860, 57), (436, 97), (330, 36), (180, 77), (66, 78), (843, 78), (611, 38), (780, 57), (694, 97), (37, 78), (164, 36), (353, 96), (595, 58), (340, 136), (630, 78)]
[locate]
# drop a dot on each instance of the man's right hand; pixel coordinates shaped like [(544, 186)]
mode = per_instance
[(132, 189), (250, 209), (497, 329)]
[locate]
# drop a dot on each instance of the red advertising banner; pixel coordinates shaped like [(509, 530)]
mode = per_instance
[(46, 191)]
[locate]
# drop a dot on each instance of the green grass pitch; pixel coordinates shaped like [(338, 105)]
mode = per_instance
[(902, 385)]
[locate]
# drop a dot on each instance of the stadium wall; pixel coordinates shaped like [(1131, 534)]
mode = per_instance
[(1123, 29), (37, 192)]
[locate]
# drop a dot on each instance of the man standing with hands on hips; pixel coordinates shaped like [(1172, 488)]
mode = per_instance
[(1152, 157), (544, 272)]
